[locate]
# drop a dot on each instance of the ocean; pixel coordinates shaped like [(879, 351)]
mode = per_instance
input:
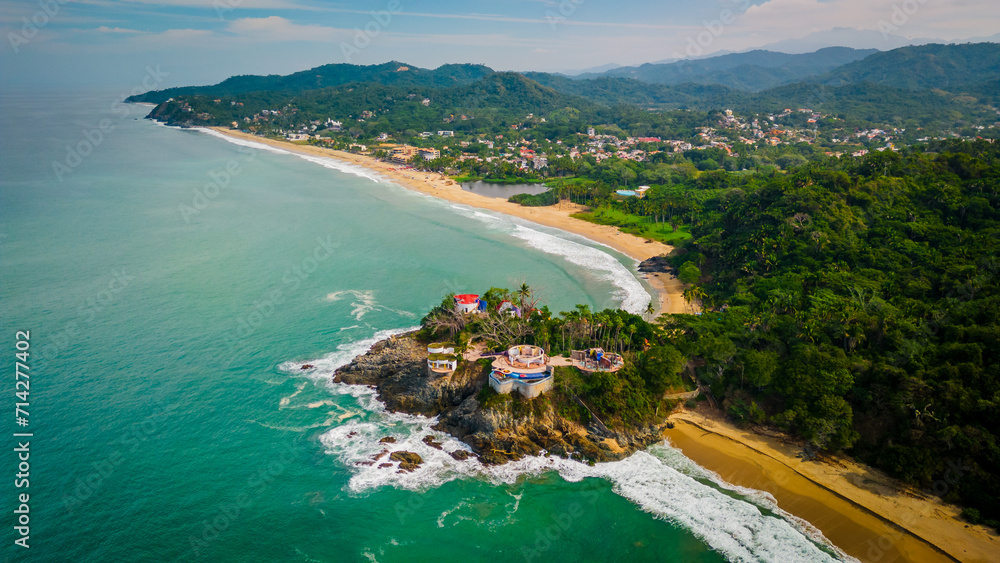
[(174, 282)]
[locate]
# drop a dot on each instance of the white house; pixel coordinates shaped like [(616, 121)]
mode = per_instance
[(466, 303), (441, 359)]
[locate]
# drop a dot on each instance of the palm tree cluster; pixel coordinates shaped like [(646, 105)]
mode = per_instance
[(614, 330)]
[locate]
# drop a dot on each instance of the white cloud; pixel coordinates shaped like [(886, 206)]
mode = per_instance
[(556, 19), (122, 30), (176, 36), (783, 19), (276, 28)]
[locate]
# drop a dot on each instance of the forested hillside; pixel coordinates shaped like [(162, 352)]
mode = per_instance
[(857, 303), (326, 76), (947, 67)]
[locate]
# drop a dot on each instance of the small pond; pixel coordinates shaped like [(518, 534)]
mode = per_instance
[(503, 191)]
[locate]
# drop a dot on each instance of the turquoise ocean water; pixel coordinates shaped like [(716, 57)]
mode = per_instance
[(174, 282)]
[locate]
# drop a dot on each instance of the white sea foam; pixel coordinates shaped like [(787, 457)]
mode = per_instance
[(240, 142), (632, 296), (286, 400), (363, 302), (342, 166), (331, 163), (322, 369), (660, 480), (630, 293), (733, 526)]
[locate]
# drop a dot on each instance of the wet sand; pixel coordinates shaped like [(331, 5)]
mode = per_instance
[(863, 512)]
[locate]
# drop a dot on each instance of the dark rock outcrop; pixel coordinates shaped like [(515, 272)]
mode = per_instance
[(408, 461), (510, 428), (656, 265), (504, 433), (397, 367), (429, 440)]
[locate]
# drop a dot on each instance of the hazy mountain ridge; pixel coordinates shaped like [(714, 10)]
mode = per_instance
[(753, 70), (391, 73), (925, 66)]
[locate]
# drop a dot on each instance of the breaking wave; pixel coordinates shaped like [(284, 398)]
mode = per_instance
[(742, 524), (630, 292), (326, 162)]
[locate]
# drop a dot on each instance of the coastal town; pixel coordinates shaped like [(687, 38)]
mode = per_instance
[(522, 152)]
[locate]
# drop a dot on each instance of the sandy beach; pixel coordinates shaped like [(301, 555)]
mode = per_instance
[(670, 299), (868, 515), (860, 510)]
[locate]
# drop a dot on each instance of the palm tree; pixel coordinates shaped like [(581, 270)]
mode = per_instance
[(586, 326), (649, 308), (570, 317), (523, 293), (693, 294), (601, 326)]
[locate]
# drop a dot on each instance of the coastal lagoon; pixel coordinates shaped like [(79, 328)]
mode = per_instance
[(175, 283), (503, 191)]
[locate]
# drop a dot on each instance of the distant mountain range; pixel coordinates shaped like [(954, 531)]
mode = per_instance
[(911, 86), (857, 38), (754, 70)]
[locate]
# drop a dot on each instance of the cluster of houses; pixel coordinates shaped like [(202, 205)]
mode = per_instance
[(524, 368), (767, 130), (603, 147), (404, 154), (762, 130), (468, 303)]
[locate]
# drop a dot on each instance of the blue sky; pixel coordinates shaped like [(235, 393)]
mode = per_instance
[(111, 42)]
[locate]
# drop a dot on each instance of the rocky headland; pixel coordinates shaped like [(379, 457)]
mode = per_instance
[(498, 428)]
